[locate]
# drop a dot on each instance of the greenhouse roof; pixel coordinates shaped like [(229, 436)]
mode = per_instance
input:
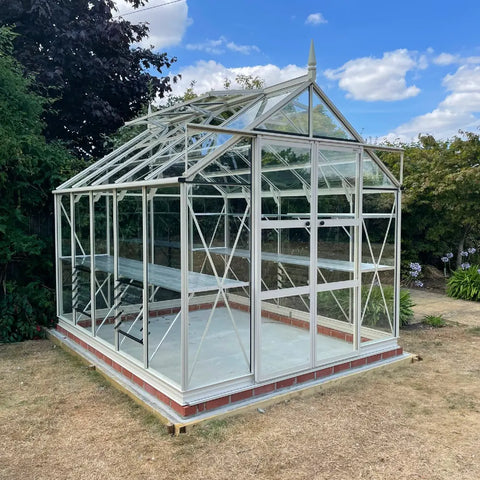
[(179, 140)]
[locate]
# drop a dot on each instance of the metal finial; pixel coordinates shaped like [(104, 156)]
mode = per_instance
[(312, 62)]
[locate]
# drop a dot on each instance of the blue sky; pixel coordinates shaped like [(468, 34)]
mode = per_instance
[(395, 70)]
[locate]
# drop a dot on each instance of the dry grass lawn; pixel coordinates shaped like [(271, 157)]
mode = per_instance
[(59, 420)]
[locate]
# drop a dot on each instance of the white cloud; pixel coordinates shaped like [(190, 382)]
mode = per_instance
[(449, 59), (457, 111), (315, 19), (245, 49), (445, 59), (210, 75), (167, 23), (216, 47), (378, 79)]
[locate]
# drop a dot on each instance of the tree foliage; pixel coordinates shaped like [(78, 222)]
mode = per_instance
[(84, 62), (441, 201), (30, 168)]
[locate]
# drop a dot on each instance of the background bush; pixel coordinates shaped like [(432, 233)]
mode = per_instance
[(465, 284)]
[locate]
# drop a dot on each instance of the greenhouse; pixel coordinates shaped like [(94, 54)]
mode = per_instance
[(239, 244)]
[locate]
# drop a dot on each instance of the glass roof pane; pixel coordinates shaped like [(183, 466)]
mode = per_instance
[(203, 143), (325, 123), (259, 108), (246, 117), (292, 118)]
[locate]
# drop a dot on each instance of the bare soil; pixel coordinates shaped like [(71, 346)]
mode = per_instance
[(59, 420)]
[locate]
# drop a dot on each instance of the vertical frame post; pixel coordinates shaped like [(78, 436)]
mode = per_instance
[(116, 284), (313, 250), (184, 261), (145, 274), (226, 223), (108, 244), (58, 253), (150, 207), (73, 256), (398, 251), (256, 259), (357, 257), (93, 315)]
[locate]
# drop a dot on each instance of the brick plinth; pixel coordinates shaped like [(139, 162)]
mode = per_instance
[(249, 393)]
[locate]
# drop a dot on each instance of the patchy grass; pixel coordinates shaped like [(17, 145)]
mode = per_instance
[(435, 321), (60, 420), (474, 331)]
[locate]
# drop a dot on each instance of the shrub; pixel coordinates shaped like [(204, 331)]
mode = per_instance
[(406, 307), (465, 284), (376, 313), (435, 321), (23, 312)]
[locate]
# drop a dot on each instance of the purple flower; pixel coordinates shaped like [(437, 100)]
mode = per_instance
[(464, 254), (465, 266), (471, 250), (444, 259), (414, 273), (449, 255), (478, 271), (418, 283), (416, 267)]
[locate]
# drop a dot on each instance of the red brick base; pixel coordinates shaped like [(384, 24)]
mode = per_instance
[(252, 392)]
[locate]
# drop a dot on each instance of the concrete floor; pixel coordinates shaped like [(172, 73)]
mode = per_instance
[(221, 350)]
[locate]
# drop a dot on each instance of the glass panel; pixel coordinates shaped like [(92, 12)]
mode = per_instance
[(391, 160), (66, 238), (81, 281), (373, 176), (285, 168), (200, 144), (292, 118), (219, 337), (285, 258), (164, 344), (335, 254), (104, 282), (155, 160), (337, 206), (219, 313), (81, 297), (246, 117), (285, 335), (230, 169), (65, 263), (378, 322), (337, 169), (325, 123), (66, 275), (334, 323), (130, 279), (337, 172), (378, 242), (259, 108)]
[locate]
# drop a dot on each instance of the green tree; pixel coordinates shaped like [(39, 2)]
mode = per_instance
[(30, 168), (85, 61), (246, 82), (441, 201)]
